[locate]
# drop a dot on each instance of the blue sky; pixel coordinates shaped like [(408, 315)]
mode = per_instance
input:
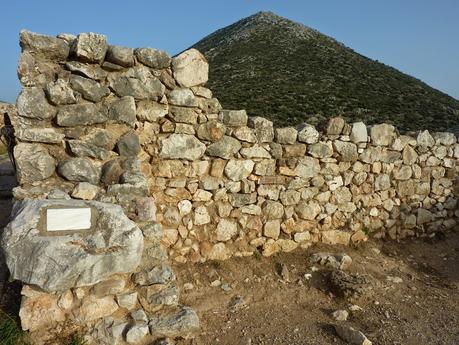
[(418, 37)]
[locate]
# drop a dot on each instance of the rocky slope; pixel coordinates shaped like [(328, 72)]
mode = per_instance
[(290, 73)]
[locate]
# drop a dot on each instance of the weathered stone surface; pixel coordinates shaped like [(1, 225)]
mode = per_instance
[(111, 172), (151, 111), (85, 191), (226, 229), (147, 89), (33, 71), (129, 144), (183, 115), (60, 93), (123, 110), (79, 115), (90, 47), (424, 216), (307, 167), (79, 170), (211, 130), (264, 129), (410, 156), (127, 300), (136, 333), (336, 237), (190, 68), (425, 140), (39, 309), (182, 97), (445, 138), (160, 274), (41, 135), (32, 103), (33, 163), (255, 151), (351, 335), (224, 148), (320, 150), (182, 146), (93, 308), (359, 133), (174, 322), (308, 134), (347, 150), (90, 71), (335, 126), (74, 259), (286, 135), (271, 229), (119, 55), (234, 118), (88, 88), (153, 58), (245, 134), (82, 149), (237, 170), (308, 210), (43, 46), (382, 135)]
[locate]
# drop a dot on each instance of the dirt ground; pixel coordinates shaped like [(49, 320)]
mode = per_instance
[(410, 297)]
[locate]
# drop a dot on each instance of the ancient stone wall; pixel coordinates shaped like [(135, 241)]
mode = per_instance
[(225, 184), (83, 236)]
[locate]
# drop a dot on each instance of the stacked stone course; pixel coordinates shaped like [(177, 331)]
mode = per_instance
[(117, 125)]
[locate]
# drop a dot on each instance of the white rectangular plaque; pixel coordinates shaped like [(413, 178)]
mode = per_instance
[(64, 219)]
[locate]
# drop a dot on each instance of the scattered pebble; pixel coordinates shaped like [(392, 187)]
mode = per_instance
[(355, 307), (188, 286), (393, 279), (351, 335), (334, 261), (236, 302), (307, 276), (340, 315), (216, 283), (226, 287)]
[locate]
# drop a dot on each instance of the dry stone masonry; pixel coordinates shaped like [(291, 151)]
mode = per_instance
[(83, 236), (110, 125)]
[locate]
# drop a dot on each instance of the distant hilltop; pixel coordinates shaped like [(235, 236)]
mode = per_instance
[(291, 73)]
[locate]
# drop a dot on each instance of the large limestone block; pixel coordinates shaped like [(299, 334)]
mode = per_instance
[(90, 47), (237, 170), (79, 170), (32, 103), (119, 55), (43, 46), (153, 58), (141, 89), (383, 134), (190, 68), (224, 148), (286, 135), (173, 322), (308, 134), (33, 163), (57, 261), (234, 118), (182, 146), (79, 115), (264, 129), (88, 88), (359, 133)]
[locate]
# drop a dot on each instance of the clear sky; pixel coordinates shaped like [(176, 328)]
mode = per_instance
[(418, 37)]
